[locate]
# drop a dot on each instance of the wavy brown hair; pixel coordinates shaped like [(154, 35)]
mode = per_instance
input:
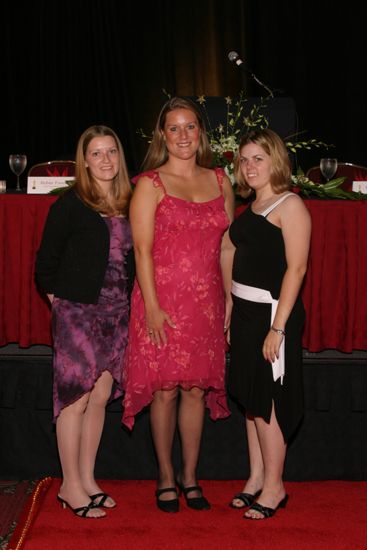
[(86, 186), (157, 153), (273, 145)]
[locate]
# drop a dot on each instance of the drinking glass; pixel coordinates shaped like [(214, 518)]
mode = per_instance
[(17, 165), (328, 167)]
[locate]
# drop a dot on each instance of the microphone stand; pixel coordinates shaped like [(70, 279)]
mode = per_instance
[(235, 58), (270, 92)]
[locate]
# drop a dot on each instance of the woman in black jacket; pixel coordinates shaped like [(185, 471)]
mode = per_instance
[(82, 266)]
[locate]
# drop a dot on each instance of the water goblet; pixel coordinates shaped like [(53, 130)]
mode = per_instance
[(328, 167), (17, 165)]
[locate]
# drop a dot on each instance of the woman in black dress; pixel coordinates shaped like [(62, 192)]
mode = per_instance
[(272, 241)]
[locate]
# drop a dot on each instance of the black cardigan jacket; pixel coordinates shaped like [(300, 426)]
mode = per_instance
[(72, 259)]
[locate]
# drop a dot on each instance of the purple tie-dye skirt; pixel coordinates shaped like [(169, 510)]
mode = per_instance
[(89, 339)]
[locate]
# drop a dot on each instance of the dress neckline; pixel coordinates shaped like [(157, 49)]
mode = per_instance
[(181, 199), (190, 202)]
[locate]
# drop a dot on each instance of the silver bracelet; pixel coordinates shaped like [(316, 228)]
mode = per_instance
[(278, 331)]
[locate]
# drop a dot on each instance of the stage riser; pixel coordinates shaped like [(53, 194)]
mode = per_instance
[(330, 443)]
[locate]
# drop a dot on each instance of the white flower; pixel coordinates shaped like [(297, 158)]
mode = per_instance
[(229, 170)]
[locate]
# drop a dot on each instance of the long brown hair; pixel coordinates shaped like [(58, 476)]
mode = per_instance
[(273, 145), (88, 189), (157, 153)]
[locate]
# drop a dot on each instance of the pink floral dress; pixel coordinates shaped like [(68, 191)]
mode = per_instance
[(188, 277)]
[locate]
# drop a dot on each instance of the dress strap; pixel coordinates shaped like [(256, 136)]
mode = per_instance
[(154, 176), (270, 208), (220, 173)]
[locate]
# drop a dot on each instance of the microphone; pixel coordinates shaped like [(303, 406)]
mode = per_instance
[(235, 58)]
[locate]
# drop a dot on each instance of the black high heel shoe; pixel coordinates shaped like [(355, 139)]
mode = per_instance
[(171, 506), (265, 510), (102, 503), (246, 498), (196, 503), (82, 511)]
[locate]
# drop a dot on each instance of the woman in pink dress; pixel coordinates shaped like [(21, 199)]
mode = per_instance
[(181, 302)]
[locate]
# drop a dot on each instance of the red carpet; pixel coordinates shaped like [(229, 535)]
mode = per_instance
[(319, 515)]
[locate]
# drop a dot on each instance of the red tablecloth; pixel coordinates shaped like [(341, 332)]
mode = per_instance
[(24, 312), (334, 291)]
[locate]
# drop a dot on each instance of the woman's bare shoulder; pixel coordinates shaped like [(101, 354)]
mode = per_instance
[(293, 207), (293, 201)]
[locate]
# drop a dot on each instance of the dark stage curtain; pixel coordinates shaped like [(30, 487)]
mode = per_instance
[(67, 65)]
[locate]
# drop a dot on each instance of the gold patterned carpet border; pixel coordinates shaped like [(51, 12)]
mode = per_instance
[(13, 532)]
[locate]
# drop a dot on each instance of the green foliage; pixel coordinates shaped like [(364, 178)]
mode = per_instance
[(61, 190), (329, 190), (309, 144)]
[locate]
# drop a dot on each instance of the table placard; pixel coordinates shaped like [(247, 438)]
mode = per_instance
[(359, 186), (40, 185)]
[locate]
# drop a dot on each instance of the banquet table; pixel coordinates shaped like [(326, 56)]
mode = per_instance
[(334, 290)]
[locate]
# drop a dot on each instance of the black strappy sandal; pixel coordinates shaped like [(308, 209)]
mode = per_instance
[(265, 511), (82, 511), (246, 498), (101, 503)]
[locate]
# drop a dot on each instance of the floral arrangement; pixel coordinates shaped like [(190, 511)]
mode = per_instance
[(224, 140)]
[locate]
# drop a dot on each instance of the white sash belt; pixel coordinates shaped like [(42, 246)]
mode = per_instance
[(260, 295)]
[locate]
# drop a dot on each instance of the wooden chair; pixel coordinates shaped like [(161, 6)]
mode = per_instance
[(55, 168), (352, 172)]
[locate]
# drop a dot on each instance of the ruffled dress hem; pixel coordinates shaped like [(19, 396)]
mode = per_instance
[(115, 394), (215, 400)]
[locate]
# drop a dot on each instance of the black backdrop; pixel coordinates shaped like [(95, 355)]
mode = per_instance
[(68, 64)]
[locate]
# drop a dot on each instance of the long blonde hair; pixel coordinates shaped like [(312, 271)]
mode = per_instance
[(273, 145), (86, 186), (157, 153)]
